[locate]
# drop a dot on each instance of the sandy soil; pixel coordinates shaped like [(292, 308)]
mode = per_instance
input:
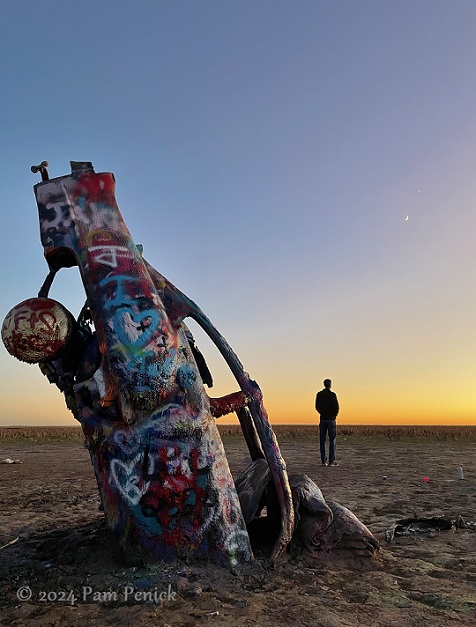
[(64, 551)]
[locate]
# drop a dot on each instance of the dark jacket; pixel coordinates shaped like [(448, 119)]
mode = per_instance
[(327, 404)]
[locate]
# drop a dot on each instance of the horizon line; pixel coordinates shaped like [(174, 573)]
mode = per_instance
[(278, 424)]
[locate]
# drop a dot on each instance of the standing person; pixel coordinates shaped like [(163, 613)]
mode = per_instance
[(327, 407)]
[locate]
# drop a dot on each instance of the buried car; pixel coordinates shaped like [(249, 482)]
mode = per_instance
[(134, 378)]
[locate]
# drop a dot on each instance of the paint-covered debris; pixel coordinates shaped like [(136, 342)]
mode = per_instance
[(410, 526)]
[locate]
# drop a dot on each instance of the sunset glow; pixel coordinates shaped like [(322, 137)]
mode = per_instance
[(267, 156)]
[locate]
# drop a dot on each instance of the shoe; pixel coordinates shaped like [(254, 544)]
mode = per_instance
[(334, 464), (325, 464)]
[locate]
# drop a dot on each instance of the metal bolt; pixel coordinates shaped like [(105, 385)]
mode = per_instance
[(42, 169)]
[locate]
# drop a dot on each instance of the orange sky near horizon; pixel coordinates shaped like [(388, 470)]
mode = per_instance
[(43, 405)]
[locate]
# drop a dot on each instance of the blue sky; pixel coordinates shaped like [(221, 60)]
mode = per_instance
[(266, 156)]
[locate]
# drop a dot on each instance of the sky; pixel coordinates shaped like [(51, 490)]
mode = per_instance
[(303, 170)]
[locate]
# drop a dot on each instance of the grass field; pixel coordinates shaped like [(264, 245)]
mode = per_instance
[(50, 434)]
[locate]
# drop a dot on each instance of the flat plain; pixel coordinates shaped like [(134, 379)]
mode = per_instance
[(54, 542)]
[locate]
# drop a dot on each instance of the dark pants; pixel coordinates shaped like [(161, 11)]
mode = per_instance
[(328, 428)]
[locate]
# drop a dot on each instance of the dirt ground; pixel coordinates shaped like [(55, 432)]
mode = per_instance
[(65, 558)]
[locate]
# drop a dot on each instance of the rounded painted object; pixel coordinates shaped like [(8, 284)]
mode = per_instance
[(37, 329)]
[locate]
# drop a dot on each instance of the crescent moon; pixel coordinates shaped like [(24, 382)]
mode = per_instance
[(407, 218)]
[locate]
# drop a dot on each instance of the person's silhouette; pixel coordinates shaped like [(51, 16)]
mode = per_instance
[(327, 407)]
